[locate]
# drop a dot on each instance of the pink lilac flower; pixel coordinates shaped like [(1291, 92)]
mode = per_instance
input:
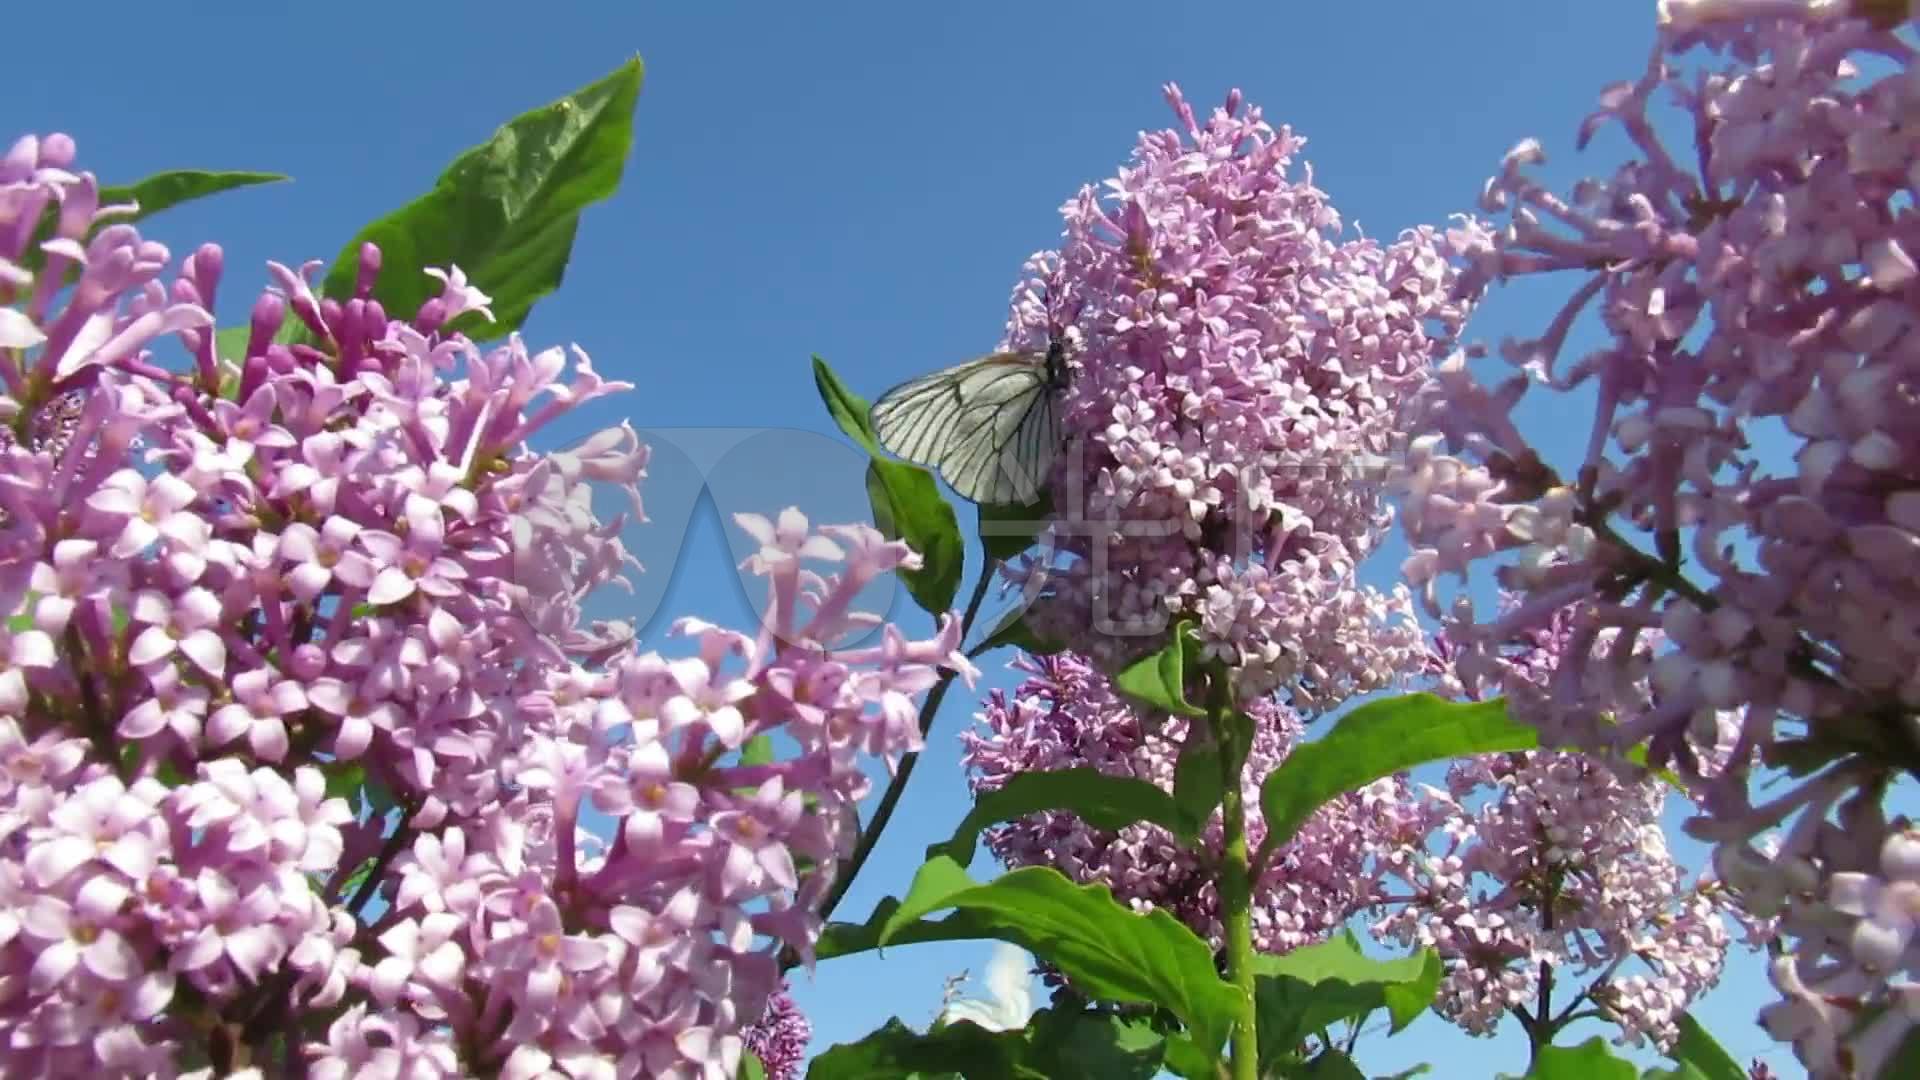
[(1236, 371), (779, 1038), (301, 715), (1753, 285)]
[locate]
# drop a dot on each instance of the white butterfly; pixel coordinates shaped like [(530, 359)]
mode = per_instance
[(990, 426), (1009, 1001)]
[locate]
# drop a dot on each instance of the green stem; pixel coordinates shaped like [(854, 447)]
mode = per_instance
[(1236, 882), (898, 785)]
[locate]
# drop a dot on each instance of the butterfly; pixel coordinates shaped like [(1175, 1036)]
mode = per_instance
[(990, 426)]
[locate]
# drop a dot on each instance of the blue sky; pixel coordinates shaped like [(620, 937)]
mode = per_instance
[(857, 180)]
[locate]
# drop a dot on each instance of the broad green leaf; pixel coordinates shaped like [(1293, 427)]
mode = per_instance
[(757, 751), (1013, 630), (1591, 1060), (907, 505), (1377, 740), (1109, 952), (1160, 680), (1006, 531), (751, 1068), (849, 410), (1070, 1045), (1105, 802), (1313, 987), (1184, 1059), (1700, 1056), (158, 192), (506, 211), (897, 1050)]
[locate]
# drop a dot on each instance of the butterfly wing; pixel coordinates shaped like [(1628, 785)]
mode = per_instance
[(987, 425), (1003, 443)]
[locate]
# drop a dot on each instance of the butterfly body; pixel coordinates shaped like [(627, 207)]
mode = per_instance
[(990, 426)]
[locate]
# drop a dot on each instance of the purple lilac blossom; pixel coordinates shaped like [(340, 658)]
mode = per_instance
[(225, 590), (1755, 283), (779, 1038), (1236, 372)]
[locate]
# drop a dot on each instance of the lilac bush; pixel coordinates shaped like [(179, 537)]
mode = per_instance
[(1755, 287), (301, 714), (1236, 372), (1526, 870)]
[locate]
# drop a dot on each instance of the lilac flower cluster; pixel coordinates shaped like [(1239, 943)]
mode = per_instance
[(780, 1037), (1756, 287), (1066, 714), (1236, 374), (1548, 866), (299, 627)]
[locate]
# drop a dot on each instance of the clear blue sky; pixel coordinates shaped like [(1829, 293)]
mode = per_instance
[(858, 180)]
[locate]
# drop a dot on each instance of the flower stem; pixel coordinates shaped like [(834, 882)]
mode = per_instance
[(1236, 885), (883, 813)]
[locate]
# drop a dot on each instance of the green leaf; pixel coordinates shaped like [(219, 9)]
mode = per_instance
[(1108, 951), (757, 751), (751, 1067), (1160, 680), (1700, 1057), (344, 779), (1085, 1045), (897, 1050), (1332, 1065), (1904, 1063), (158, 192), (848, 409), (1377, 740), (907, 505), (165, 190), (1104, 802), (505, 212), (1006, 531), (1638, 755), (1012, 629), (1313, 987), (1407, 1073), (1189, 1061), (231, 343), (1591, 1060)]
